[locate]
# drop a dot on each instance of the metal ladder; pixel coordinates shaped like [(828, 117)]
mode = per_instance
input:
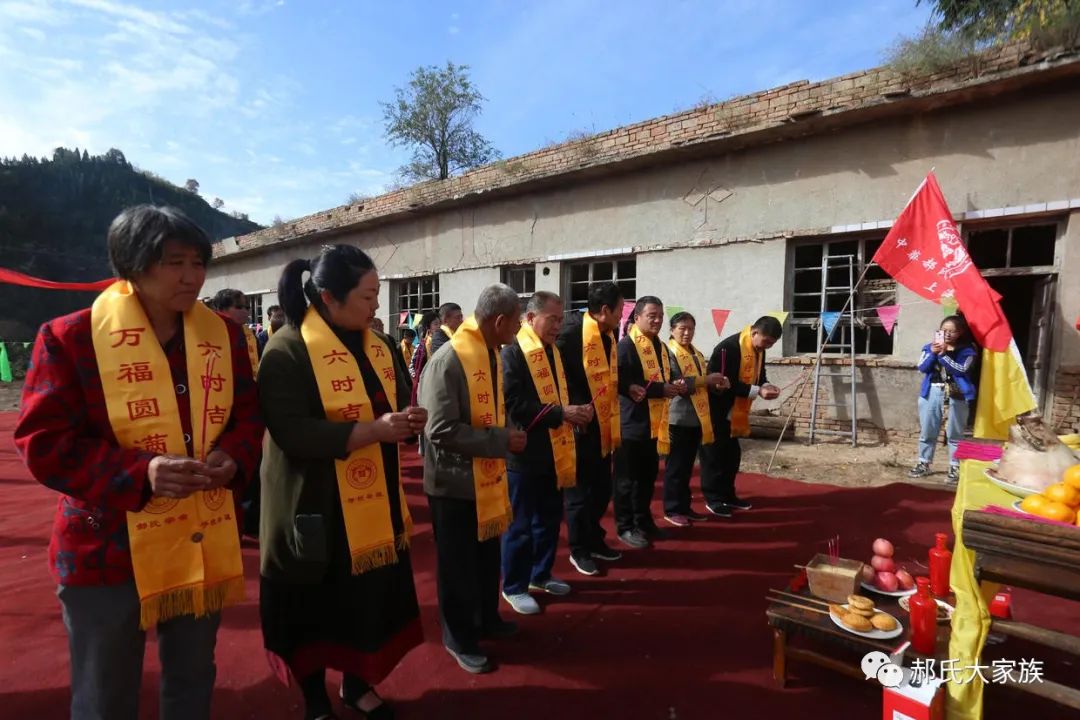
[(836, 262)]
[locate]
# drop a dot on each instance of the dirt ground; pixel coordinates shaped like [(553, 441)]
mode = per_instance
[(832, 462), (9, 396)]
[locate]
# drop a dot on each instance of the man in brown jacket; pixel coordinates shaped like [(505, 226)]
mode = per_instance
[(467, 567)]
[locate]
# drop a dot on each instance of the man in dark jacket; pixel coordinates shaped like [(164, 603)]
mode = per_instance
[(741, 358), (587, 501), (467, 568), (637, 461), (450, 317), (528, 551)]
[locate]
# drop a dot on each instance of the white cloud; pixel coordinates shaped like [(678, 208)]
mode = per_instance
[(154, 20), (31, 12), (258, 7), (453, 29), (35, 33)]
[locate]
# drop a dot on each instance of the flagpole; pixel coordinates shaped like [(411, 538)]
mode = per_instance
[(817, 361)]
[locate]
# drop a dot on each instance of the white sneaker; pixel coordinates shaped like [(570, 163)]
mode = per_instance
[(522, 603)]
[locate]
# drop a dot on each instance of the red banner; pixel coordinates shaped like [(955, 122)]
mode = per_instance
[(10, 277), (923, 251)]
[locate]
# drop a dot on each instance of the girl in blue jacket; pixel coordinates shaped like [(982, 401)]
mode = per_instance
[(947, 366)]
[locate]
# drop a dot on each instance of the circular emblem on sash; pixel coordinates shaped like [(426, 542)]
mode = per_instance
[(215, 498), (360, 474), (159, 505)]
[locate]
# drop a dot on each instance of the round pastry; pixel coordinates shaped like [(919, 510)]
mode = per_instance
[(859, 611), (883, 621), (856, 622), (838, 610), (860, 602)]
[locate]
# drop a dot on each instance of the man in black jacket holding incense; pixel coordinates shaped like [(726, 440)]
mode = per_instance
[(587, 344), (537, 402), (741, 358)]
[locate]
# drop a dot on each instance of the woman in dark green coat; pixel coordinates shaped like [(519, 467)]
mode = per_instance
[(337, 587)]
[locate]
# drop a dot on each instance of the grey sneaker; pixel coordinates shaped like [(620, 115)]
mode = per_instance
[(635, 539), (522, 603), (474, 663), (552, 586), (954, 474), (921, 469)]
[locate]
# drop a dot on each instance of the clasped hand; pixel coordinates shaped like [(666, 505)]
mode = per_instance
[(178, 476)]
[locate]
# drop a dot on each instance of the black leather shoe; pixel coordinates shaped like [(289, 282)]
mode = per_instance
[(382, 711), (738, 504)]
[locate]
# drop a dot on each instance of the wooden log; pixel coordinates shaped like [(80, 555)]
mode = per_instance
[(1035, 634), (1055, 692)]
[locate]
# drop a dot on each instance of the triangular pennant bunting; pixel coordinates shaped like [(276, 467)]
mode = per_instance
[(829, 319), (780, 315), (888, 314), (673, 310), (719, 319), (5, 365), (403, 319)]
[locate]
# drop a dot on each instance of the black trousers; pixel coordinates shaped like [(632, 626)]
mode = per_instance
[(636, 466), (719, 465), (587, 501), (467, 574), (678, 468)]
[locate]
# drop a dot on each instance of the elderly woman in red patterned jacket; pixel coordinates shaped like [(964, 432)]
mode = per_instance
[(142, 413)]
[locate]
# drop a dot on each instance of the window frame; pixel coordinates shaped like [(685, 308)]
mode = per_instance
[(989, 224), (885, 293), (254, 300), (568, 284), (508, 274), (401, 288)]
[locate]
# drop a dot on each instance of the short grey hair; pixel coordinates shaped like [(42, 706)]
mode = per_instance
[(495, 300), (540, 300)]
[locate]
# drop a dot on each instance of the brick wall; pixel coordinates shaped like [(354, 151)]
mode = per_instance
[(739, 116), (1065, 412)]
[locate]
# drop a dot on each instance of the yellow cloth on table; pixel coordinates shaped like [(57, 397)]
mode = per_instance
[(971, 619)]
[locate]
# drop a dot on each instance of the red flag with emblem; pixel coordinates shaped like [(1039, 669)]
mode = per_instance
[(924, 252)]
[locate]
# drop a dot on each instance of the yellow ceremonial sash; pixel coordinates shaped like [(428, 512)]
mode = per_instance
[(185, 552), (562, 438), (427, 345), (493, 512), (659, 373), (691, 361), (252, 349), (749, 371), (406, 351), (603, 376), (361, 476)]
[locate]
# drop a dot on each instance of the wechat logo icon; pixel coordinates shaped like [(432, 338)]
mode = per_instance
[(876, 665)]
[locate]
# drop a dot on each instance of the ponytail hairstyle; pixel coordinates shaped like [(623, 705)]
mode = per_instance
[(337, 270), (639, 307)]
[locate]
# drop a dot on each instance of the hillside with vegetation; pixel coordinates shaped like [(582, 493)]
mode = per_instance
[(54, 215)]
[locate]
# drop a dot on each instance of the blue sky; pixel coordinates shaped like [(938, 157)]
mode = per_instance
[(273, 105)]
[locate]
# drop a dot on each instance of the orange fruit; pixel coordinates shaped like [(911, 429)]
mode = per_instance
[(1064, 494), (1057, 511), (1072, 477), (1033, 504)]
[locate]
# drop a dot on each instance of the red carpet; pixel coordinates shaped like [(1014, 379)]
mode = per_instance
[(673, 633)]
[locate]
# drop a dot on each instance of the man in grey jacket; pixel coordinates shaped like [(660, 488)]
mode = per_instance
[(467, 569)]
